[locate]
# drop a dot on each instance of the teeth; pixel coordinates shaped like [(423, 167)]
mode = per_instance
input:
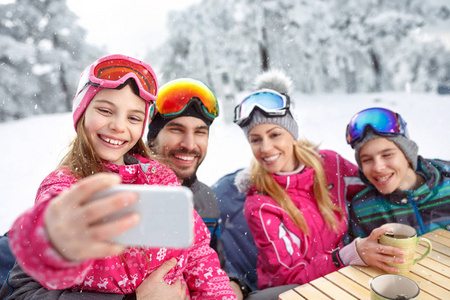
[(113, 142), (272, 158), (384, 178), (183, 157)]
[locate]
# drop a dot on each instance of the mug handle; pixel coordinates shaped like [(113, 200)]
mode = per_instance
[(430, 247)]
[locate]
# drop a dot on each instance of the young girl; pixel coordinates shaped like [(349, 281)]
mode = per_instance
[(61, 241), (296, 195)]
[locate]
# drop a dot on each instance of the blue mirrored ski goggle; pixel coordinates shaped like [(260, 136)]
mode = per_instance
[(383, 121), (270, 102)]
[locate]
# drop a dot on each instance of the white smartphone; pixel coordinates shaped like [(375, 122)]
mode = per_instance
[(166, 216)]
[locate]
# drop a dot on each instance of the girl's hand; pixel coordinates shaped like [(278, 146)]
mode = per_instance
[(154, 286), (375, 254), (74, 224)]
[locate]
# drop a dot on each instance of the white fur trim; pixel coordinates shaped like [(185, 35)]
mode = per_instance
[(243, 181)]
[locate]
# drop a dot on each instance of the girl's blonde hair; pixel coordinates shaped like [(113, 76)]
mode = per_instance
[(82, 160), (306, 153)]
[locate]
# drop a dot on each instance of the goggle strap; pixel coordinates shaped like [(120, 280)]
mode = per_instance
[(194, 101), (276, 113)]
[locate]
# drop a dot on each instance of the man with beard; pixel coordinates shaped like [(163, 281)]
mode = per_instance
[(178, 134)]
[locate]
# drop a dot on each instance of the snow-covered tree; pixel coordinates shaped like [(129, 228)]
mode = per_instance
[(42, 55), (325, 45)]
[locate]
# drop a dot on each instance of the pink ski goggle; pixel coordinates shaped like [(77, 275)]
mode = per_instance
[(114, 70)]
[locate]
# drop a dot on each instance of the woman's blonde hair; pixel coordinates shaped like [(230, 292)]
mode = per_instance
[(306, 153), (82, 160)]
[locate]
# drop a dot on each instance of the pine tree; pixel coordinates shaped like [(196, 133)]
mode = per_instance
[(43, 53), (325, 46)]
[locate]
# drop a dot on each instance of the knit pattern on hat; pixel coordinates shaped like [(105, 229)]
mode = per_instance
[(275, 80), (408, 146), (286, 121)]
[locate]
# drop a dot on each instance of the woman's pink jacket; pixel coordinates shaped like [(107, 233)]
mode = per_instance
[(285, 254)]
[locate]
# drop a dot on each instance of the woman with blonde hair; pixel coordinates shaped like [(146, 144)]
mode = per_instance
[(296, 194)]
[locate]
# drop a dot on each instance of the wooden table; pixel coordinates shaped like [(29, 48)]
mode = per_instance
[(432, 274)]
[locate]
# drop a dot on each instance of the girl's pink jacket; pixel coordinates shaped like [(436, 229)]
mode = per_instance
[(285, 254), (198, 265)]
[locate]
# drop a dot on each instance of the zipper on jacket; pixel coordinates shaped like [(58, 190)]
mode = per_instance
[(417, 213)]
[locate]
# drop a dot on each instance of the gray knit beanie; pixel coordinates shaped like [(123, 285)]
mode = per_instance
[(275, 80), (409, 147), (286, 121)]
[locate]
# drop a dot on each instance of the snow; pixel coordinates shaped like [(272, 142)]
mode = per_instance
[(146, 20), (33, 147)]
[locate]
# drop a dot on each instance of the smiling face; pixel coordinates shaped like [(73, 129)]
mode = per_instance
[(183, 142), (114, 122), (386, 167), (273, 148)]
